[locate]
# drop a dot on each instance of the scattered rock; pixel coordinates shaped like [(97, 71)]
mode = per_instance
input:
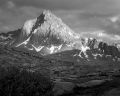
[(113, 92), (91, 83), (61, 88)]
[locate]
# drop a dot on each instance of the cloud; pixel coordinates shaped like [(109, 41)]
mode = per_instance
[(10, 4), (102, 6), (102, 36), (114, 19), (14, 18), (89, 5)]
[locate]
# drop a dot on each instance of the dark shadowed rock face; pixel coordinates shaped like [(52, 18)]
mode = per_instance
[(109, 50)]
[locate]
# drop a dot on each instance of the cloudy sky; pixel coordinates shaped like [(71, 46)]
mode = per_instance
[(98, 17)]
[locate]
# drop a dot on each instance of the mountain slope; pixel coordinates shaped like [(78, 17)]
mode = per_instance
[(77, 66), (48, 34), (84, 79)]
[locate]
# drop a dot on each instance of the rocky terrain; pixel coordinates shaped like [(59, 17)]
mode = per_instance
[(73, 65), (46, 34), (69, 78)]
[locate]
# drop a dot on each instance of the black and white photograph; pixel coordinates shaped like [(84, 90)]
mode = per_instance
[(59, 47)]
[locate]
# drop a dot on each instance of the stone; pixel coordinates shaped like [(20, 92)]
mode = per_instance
[(91, 83), (61, 88)]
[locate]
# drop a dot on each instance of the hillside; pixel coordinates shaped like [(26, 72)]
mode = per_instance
[(69, 64), (64, 71)]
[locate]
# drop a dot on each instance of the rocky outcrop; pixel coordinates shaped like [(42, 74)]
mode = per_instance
[(47, 34)]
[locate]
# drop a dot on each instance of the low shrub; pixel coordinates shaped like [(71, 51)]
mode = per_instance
[(15, 82)]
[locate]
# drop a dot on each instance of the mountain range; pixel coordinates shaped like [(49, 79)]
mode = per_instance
[(76, 65), (49, 35)]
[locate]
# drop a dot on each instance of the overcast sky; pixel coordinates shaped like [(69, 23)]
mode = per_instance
[(81, 15)]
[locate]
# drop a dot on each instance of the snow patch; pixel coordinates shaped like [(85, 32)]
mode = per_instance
[(83, 50), (114, 19), (30, 48), (35, 31), (54, 49), (59, 47), (38, 49), (24, 43), (95, 55)]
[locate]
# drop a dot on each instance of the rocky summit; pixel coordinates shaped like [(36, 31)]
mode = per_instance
[(48, 34)]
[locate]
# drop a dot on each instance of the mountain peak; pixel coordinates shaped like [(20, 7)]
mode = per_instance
[(47, 12), (47, 32), (32, 24), (49, 24), (47, 15)]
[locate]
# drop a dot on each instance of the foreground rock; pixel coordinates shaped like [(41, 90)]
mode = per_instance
[(61, 88), (113, 92), (92, 83)]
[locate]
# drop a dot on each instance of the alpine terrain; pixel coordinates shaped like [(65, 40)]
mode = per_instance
[(76, 65)]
